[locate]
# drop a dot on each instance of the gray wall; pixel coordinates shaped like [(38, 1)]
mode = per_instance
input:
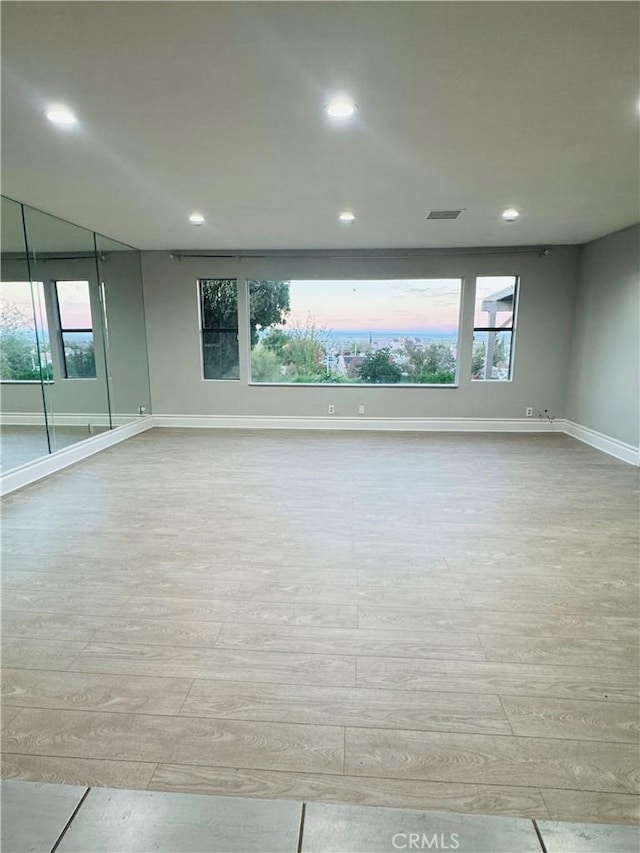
[(126, 332), (541, 348), (604, 376)]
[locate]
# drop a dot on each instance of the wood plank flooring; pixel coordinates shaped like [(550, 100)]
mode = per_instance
[(430, 621)]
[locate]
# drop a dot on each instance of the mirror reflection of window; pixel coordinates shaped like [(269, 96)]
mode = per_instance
[(25, 355), (76, 329)]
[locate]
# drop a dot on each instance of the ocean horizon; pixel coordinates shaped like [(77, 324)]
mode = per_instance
[(365, 334)]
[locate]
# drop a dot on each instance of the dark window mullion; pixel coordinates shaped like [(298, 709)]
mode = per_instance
[(493, 328)]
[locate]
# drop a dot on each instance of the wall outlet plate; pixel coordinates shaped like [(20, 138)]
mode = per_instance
[(332, 410), (529, 411)]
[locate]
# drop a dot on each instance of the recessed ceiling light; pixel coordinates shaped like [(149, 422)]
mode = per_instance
[(197, 219), (510, 214), (341, 107), (347, 217), (59, 114)]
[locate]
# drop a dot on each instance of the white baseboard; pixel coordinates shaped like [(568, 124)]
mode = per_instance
[(559, 426), (361, 423), (611, 446), (23, 476), (65, 419), (36, 470)]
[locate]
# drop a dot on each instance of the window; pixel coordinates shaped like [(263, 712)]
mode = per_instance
[(372, 332), (219, 318), (76, 329), (25, 355), (494, 324)]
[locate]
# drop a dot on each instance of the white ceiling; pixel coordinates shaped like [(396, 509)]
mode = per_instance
[(217, 107)]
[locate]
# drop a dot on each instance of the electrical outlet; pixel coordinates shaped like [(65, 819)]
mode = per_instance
[(529, 411), (361, 410), (332, 410)]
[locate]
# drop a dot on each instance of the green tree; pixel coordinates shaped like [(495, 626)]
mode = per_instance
[(378, 368), (18, 349), (80, 360), (220, 303), (438, 377), (499, 351), (305, 352), (430, 365), (276, 340), (269, 305), (17, 357), (416, 357), (265, 365), (477, 360), (439, 359)]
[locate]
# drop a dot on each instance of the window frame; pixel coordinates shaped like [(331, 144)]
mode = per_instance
[(488, 329), (462, 279), (222, 329), (62, 330)]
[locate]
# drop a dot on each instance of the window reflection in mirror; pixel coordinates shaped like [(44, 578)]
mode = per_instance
[(73, 354), (24, 356)]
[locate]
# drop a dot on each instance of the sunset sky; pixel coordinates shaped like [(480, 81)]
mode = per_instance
[(74, 305), (399, 305), (403, 305), (17, 294)]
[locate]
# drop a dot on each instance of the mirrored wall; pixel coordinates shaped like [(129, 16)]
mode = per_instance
[(73, 353)]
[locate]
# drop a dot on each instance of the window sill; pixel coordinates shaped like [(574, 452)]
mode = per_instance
[(356, 385)]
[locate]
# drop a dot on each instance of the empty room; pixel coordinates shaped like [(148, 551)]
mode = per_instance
[(320, 427)]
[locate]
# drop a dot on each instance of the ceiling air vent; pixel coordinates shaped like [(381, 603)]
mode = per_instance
[(444, 214)]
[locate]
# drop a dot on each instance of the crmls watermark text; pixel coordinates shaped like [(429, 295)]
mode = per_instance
[(424, 841)]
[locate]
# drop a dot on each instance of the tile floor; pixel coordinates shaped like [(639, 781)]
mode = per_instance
[(424, 621), (38, 818)]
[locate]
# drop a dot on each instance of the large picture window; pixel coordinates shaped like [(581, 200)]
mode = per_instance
[(76, 329), (219, 325), (25, 355), (494, 325), (355, 331)]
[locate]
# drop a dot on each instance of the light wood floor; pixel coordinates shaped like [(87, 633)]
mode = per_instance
[(428, 621), (22, 444)]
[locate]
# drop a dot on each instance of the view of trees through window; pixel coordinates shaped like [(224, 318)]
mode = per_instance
[(25, 353), (219, 320), (387, 331)]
